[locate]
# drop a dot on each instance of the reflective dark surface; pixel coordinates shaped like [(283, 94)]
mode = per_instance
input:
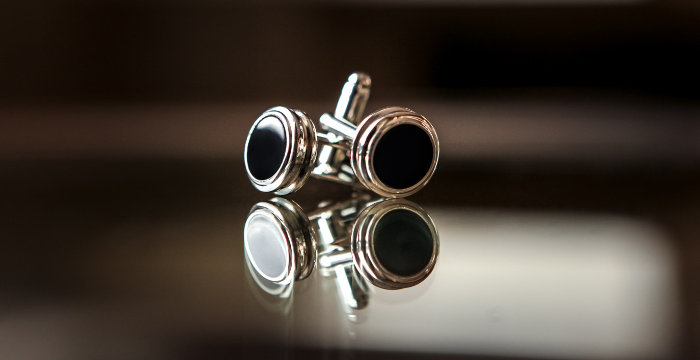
[(125, 261), (348, 234)]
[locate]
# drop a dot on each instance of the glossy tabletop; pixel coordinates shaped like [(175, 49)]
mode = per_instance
[(145, 259)]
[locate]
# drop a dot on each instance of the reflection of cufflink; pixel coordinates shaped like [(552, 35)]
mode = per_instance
[(393, 152), (393, 243), (278, 242), (390, 243), (275, 298)]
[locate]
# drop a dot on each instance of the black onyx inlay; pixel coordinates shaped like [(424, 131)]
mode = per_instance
[(266, 148), (403, 156), (403, 242)]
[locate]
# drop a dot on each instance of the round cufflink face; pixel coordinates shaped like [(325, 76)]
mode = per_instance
[(278, 242), (280, 150), (267, 147), (267, 246), (403, 243), (403, 156), (395, 152), (394, 244)]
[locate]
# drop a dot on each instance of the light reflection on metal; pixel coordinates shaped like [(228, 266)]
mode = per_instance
[(275, 298), (357, 241), (373, 262), (278, 241), (353, 98), (362, 138), (345, 151)]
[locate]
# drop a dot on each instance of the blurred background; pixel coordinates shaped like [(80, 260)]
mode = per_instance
[(124, 194)]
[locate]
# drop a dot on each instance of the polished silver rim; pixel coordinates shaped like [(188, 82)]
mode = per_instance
[(362, 245), (370, 131)]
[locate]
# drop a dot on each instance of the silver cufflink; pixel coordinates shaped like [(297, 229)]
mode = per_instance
[(393, 152), (390, 243), (278, 241)]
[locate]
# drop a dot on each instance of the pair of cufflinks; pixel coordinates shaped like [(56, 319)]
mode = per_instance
[(392, 152), (390, 243)]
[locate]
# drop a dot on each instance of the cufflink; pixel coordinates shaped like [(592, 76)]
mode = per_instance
[(279, 150), (278, 241), (393, 152), (393, 243), (390, 243)]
